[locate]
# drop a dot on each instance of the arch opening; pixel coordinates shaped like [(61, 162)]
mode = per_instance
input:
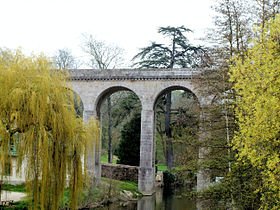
[(106, 93), (119, 111), (174, 88), (177, 112), (78, 104)]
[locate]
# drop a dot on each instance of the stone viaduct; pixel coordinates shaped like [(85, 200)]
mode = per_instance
[(93, 86)]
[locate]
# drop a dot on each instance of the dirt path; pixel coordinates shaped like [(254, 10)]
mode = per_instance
[(8, 195)]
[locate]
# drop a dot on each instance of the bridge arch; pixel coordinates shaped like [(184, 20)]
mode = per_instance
[(189, 106), (171, 88), (109, 91), (148, 84)]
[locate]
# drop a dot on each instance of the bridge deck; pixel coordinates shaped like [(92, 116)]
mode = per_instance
[(133, 74)]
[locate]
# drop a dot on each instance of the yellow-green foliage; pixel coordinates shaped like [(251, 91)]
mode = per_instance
[(257, 83), (37, 105)]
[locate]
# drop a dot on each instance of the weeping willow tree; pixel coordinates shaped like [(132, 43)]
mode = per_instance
[(37, 116)]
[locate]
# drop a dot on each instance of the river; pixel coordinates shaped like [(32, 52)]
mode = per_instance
[(171, 199)]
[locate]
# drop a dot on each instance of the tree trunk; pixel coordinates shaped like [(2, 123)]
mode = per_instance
[(110, 152), (230, 35), (169, 146)]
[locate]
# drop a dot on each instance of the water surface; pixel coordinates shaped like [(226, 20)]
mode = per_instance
[(168, 199)]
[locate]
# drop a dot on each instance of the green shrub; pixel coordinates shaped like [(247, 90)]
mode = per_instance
[(168, 178), (129, 148)]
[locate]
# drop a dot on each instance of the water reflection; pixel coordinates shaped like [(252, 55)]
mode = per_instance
[(147, 202), (163, 199), (173, 199), (132, 205)]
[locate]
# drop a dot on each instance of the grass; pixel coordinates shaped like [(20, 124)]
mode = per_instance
[(104, 159), (14, 188), (20, 205), (161, 167), (123, 185), (108, 191), (98, 193)]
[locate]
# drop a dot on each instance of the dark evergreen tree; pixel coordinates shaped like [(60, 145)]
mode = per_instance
[(124, 104), (129, 148), (179, 53)]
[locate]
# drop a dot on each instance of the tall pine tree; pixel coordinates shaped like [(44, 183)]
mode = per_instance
[(178, 53)]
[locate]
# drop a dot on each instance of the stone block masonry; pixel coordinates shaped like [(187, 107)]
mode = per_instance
[(93, 86), (119, 172)]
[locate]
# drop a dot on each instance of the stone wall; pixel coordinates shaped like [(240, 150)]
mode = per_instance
[(119, 172)]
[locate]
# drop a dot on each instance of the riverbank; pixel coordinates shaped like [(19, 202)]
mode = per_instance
[(109, 191)]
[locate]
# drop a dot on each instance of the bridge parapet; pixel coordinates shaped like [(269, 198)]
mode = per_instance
[(133, 74)]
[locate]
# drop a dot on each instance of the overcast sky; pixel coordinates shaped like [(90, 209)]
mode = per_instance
[(49, 25)]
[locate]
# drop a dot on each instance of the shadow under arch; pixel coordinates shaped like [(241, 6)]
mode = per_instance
[(172, 88), (106, 93)]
